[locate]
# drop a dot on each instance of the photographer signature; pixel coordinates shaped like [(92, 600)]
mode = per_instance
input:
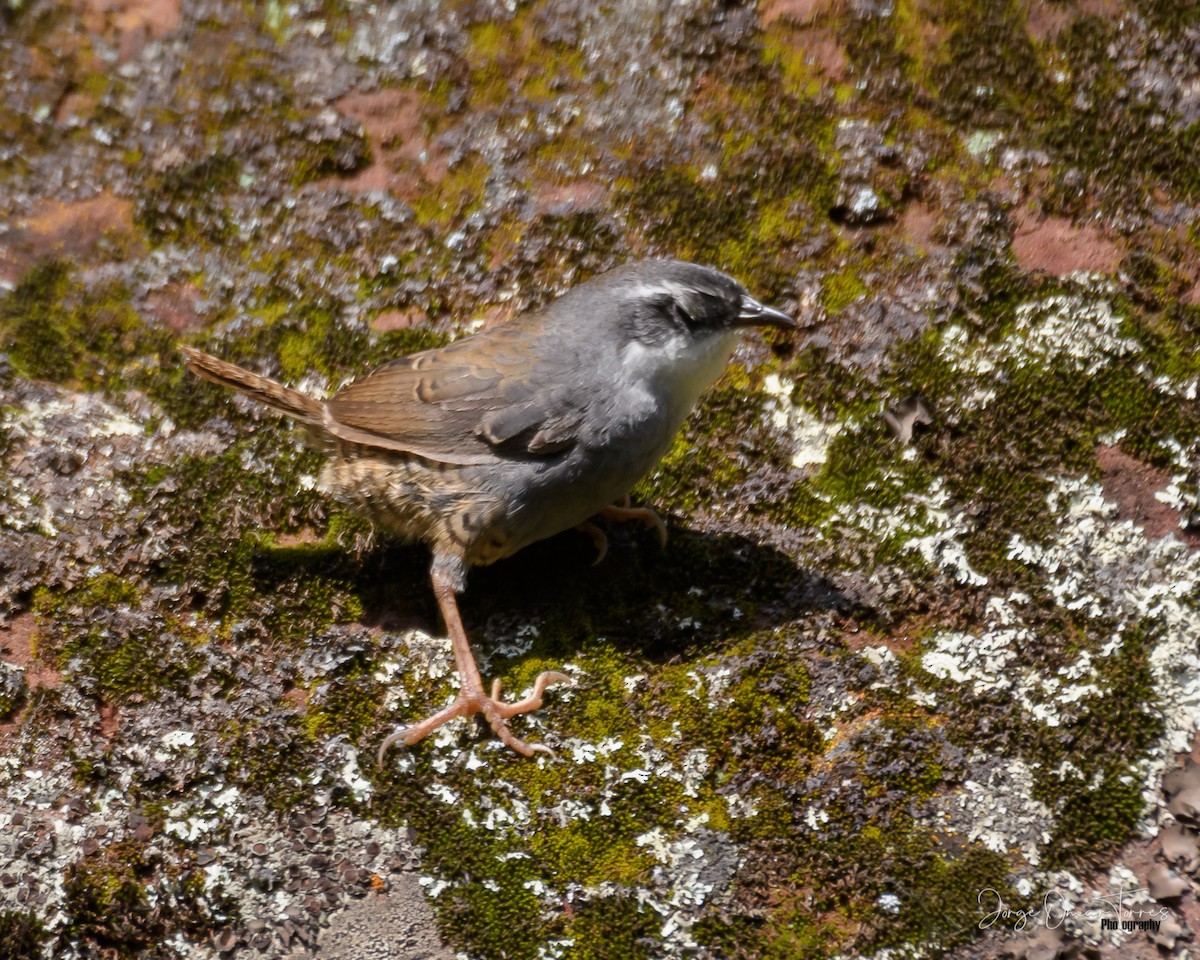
[(1056, 907)]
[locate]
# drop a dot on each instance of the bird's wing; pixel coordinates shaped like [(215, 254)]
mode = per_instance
[(476, 401)]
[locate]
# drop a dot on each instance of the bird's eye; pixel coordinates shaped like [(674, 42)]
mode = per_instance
[(659, 318), (680, 316)]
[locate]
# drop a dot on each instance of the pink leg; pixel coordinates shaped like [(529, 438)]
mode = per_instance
[(471, 698)]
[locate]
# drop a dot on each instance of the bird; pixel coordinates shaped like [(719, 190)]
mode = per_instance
[(519, 432)]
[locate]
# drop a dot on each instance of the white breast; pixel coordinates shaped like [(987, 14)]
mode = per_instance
[(674, 375)]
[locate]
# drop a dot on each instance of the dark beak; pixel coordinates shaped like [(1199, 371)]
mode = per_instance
[(754, 314)]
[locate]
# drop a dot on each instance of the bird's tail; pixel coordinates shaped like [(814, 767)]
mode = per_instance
[(281, 399)]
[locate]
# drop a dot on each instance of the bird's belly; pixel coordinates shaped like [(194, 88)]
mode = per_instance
[(481, 513), (558, 497), (404, 496)]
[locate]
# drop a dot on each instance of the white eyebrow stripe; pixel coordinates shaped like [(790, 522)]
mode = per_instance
[(674, 290)]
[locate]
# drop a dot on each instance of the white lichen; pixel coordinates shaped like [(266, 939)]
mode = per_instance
[(809, 435)]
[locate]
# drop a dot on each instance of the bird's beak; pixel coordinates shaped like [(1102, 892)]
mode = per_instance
[(754, 314)]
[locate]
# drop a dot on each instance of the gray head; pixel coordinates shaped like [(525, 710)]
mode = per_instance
[(655, 302), (670, 327), (671, 298)]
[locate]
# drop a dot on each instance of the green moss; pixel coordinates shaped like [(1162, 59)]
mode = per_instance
[(614, 927), (54, 328), (862, 469), (610, 633), (306, 337), (107, 901), (234, 573), (977, 66), (760, 720), (586, 239), (1154, 282), (1148, 416), (105, 590), (1095, 821), (988, 72), (510, 58), (103, 896), (343, 528), (331, 156), (803, 507), (1086, 765), (496, 49), (121, 656), (759, 745), (992, 290), (771, 190), (184, 204), (838, 913), (801, 936), (399, 343), (1166, 331), (906, 747), (898, 47), (503, 912), (21, 934), (457, 194), (266, 756), (1097, 131), (297, 354), (37, 346), (22, 128), (782, 50), (675, 483), (9, 702), (847, 394), (840, 289), (346, 703), (1170, 15), (706, 223), (1105, 738), (939, 895)]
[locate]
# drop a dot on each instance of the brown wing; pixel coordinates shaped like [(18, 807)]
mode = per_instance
[(479, 400)]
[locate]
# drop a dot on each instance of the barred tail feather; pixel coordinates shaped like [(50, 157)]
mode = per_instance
[(281, 399)]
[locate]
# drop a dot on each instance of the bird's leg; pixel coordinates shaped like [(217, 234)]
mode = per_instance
[(471, 698), (643, 515)]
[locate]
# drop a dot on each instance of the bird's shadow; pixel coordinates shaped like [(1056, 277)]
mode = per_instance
[(686, 599)]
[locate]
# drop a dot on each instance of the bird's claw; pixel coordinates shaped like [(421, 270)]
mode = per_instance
[(388, 741), (599, 538), (643, 515), (495, 711)]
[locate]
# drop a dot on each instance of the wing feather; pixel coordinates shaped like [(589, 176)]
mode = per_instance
[(480, 400)]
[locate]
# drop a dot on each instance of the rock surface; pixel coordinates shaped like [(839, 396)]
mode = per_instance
[(918, 672)]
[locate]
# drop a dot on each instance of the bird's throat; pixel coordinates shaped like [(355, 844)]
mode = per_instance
[(682, 370)]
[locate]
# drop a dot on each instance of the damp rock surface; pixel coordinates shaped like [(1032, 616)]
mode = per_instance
[(917, 673)]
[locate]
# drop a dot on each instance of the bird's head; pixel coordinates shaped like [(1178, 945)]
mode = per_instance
[(673, 325), (662, 302)]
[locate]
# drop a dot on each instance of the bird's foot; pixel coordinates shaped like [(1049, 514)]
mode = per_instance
[(642, 515), (495, 711)]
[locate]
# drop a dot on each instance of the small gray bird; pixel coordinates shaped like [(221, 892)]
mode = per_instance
[(517, 433)]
